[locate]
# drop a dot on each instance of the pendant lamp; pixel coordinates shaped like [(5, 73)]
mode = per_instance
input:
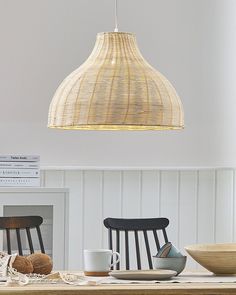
[(116, 89)]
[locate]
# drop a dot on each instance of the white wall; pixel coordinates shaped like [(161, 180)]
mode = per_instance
[(200, 205), (192, 42)]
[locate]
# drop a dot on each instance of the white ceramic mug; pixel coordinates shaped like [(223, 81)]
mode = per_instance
[(99, 260)]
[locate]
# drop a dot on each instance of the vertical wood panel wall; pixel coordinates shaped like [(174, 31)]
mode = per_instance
[(199, 203)]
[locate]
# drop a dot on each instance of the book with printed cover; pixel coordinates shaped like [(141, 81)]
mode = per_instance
[(19, 158)]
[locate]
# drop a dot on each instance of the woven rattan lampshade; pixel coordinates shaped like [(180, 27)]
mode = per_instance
[(116, 89)]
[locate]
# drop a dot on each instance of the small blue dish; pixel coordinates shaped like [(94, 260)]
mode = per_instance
[(174, 252)]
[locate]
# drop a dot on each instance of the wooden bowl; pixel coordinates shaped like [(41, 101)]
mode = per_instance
[(217, 258)]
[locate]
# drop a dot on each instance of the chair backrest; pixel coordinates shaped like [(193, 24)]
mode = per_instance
[(17, 223), (136, 225)]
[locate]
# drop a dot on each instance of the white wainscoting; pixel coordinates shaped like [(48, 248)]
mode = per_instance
[(200, 204)]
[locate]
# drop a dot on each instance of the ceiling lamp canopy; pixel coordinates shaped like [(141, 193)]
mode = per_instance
[(116, 89)]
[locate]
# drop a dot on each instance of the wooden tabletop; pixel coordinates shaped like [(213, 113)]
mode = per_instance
[(139, 289)]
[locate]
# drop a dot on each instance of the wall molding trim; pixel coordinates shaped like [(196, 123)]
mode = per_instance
[(134, 168)]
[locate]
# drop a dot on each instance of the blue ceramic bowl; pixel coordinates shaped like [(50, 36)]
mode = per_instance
[(173, 263)]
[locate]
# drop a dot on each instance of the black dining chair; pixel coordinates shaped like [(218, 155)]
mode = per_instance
[(134, 226), (17, 224)]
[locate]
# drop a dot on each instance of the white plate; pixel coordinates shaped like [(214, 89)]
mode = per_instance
[(158, 274)]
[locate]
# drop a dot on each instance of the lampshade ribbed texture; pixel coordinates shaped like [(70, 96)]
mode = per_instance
[(116, 89)]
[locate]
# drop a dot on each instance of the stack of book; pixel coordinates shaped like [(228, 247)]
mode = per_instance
[(17, 170)]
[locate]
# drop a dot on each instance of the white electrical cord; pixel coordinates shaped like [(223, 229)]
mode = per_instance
[(116, 16)]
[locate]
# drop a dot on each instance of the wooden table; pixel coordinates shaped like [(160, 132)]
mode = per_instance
[(138, 289)]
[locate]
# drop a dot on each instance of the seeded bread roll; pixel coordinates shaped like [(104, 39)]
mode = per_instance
[(22, 265), (42, 263)]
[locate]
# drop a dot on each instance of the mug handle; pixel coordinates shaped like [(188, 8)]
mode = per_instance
[(118, 258)]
